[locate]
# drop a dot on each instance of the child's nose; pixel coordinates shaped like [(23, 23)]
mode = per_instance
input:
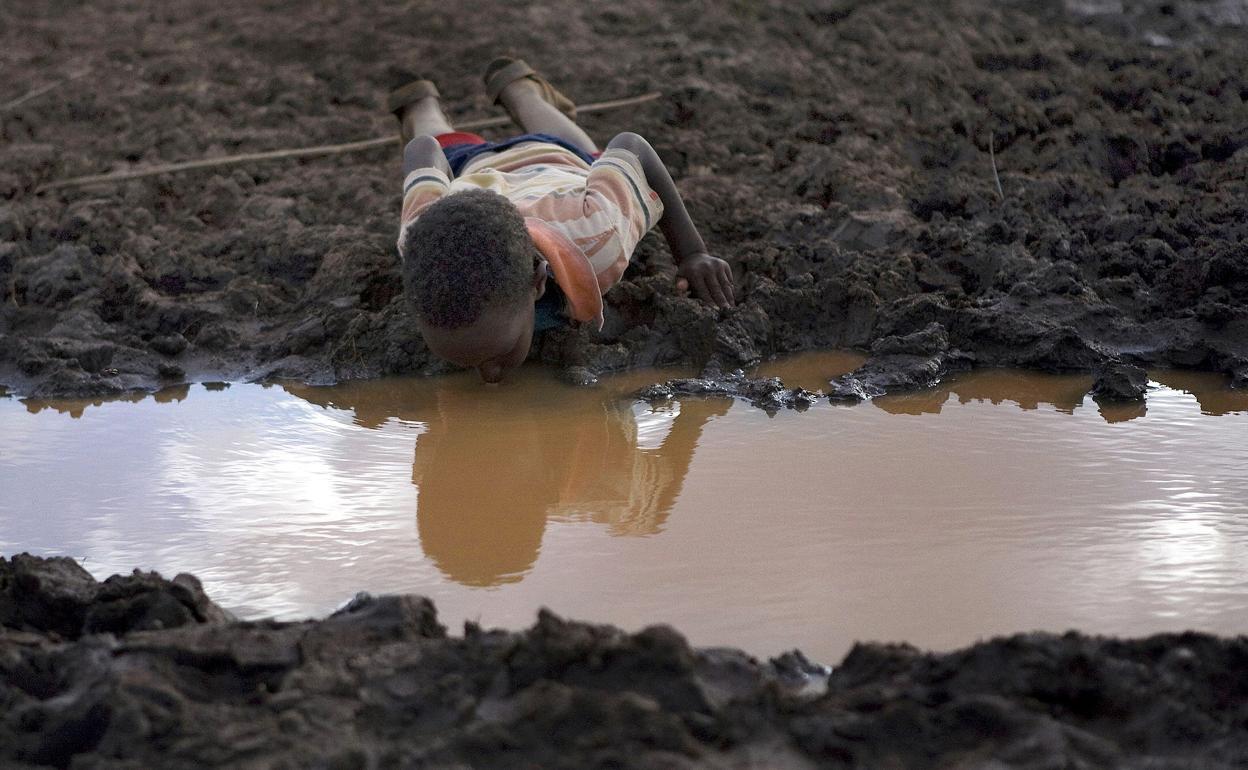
[(490, 372)]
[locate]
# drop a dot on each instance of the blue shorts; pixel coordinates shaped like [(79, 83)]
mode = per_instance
[(459, 153), (551, 309)]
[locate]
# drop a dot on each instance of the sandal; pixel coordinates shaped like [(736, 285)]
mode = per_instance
[(410, 93), (505, 70)]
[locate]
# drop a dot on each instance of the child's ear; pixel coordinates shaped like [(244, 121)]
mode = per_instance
[(540, 271)]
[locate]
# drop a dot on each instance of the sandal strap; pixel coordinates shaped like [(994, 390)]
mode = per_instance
[(504, 76), (410, 93)]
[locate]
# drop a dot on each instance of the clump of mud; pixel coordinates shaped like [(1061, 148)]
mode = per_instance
[(767, 393), (143, 672), (838, 153)]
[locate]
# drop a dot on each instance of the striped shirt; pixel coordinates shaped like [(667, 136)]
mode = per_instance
[(604, 208)]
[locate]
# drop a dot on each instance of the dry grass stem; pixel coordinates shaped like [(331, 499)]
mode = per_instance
[(308, 152), (992, 156), (41, 90)]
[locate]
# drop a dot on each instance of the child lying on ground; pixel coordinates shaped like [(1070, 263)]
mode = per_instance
[(485, 223)]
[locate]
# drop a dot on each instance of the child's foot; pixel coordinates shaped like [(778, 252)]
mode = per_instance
[(410, 93), (505, 73), (416, 104)]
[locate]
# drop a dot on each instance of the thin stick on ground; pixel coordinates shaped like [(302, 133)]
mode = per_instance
[(309, 152), (41, 90), (992, 156)]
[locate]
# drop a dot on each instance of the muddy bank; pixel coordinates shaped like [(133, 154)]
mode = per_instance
[(837, 153), (139, 671)]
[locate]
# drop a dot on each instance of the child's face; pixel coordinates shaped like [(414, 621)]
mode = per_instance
[(499, 340)]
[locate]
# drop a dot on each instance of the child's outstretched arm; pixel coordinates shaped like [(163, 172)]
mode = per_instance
[(710, 277)]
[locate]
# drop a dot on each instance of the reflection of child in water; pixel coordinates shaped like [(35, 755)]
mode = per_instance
[(485, 224), (490, 472), (490, 475)]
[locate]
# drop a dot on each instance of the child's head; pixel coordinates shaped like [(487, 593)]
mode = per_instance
[(472, 272)]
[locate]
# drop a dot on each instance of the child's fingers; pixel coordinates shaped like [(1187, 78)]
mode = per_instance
[(713, 286), (725, 282), (700, 288), (713, 291)]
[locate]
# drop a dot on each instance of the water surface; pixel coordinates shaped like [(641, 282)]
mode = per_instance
[(997, 502)]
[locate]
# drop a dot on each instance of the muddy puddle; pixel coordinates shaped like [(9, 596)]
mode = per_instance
[(998, 502)]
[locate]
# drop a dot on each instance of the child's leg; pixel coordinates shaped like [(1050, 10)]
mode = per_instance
[(424, 117), (523, 99)]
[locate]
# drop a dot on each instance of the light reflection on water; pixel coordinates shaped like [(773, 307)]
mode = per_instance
[(937, 517)]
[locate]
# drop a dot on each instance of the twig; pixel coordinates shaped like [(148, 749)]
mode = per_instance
[(41, 90), (992, 155), (308, 152)]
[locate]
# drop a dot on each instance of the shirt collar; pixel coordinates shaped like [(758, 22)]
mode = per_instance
[(571, 270)]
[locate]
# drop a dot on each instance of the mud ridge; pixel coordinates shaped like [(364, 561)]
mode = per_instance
[(139, 671)]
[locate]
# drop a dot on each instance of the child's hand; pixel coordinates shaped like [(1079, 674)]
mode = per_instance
[(711, 278)]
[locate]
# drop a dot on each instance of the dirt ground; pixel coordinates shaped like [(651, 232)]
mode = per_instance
[(839, 154), (141, 672)]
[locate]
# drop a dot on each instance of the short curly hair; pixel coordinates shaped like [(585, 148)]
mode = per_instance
[(465, 253)]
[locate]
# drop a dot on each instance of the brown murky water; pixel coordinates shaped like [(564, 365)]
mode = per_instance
[(995, 503)]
